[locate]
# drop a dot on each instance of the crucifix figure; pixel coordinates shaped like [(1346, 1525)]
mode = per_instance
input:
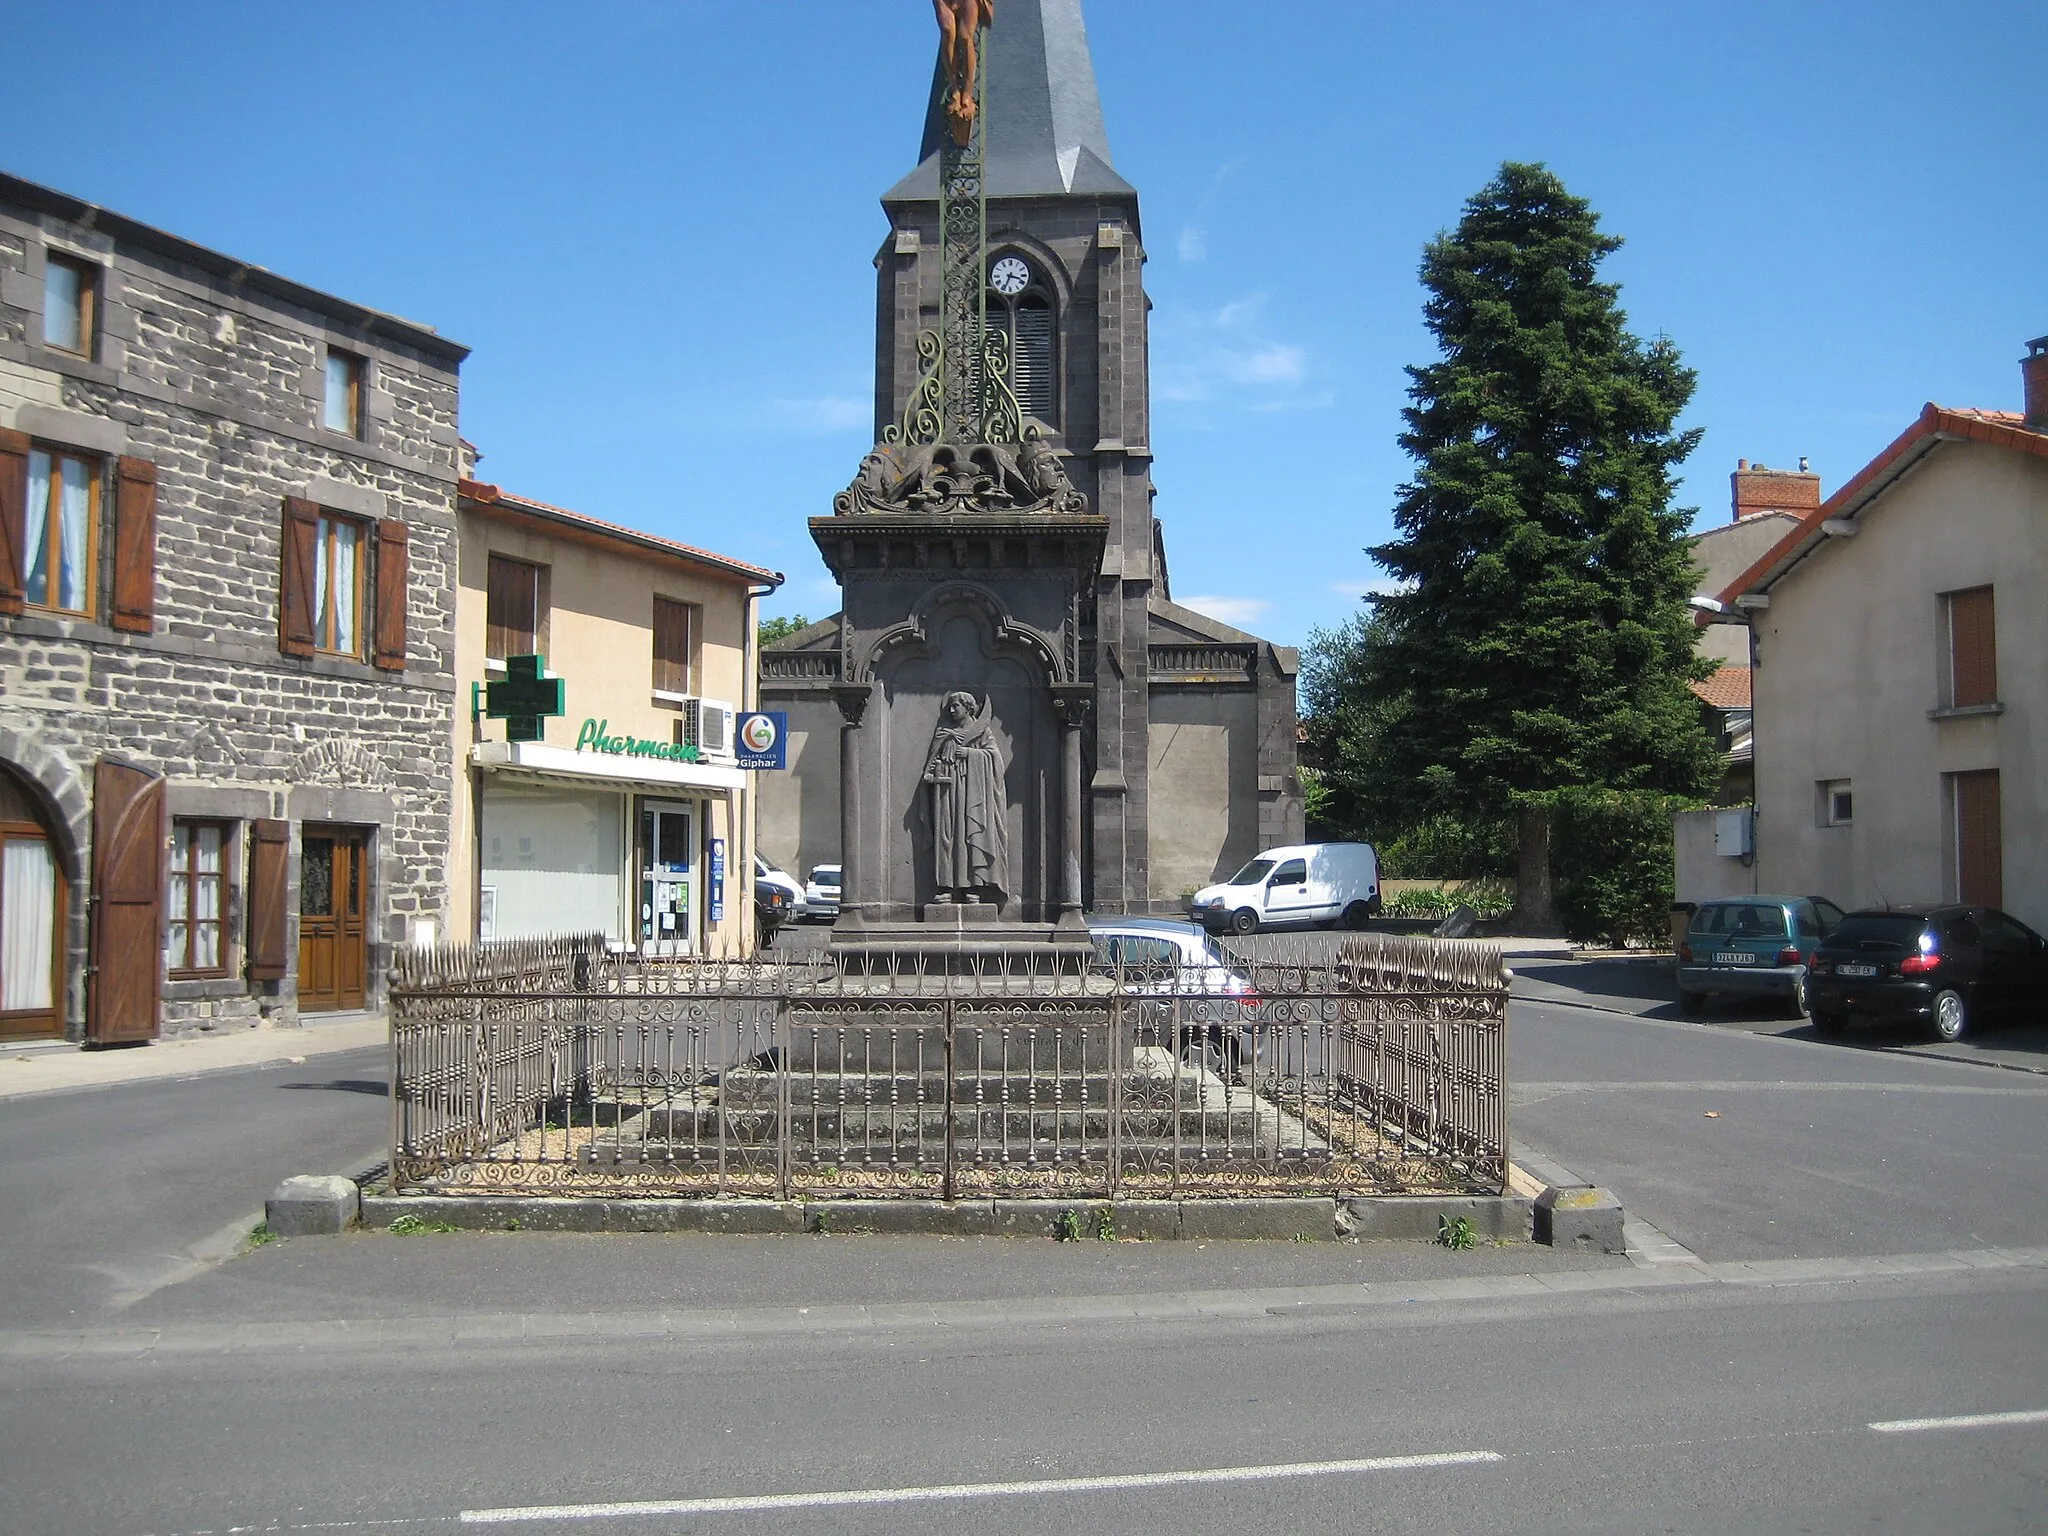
[(970, 832), (960, 24)]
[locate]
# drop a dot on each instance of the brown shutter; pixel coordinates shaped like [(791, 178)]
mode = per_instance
[(135, 546), (388, 650), (672, 626), (269, 930), (1973, 647), (13, 516), (127, 962), (1980, 861), (299, 542)]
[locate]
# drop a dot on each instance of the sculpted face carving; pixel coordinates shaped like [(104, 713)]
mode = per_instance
[(970, 830)]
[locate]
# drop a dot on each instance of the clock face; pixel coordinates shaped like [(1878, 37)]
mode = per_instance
[(1009, 276)]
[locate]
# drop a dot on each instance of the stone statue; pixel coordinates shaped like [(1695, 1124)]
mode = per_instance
[(960, 24), (970, 822)]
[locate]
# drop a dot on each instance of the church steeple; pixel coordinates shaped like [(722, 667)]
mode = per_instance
[(1045, 133)]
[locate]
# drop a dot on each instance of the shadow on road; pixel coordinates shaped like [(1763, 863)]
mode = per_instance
[(370, 1086)]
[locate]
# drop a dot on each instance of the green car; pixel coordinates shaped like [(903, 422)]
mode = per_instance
[(1752, 946)]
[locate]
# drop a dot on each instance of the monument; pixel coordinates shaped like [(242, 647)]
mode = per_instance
[(999, 541)]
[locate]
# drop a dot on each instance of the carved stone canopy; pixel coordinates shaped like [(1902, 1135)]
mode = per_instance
[(951, 479)]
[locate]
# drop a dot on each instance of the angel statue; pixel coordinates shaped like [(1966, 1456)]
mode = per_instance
[(970, 832), (960, 24)]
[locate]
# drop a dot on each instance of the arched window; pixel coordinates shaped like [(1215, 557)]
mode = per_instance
[(1021, 304)]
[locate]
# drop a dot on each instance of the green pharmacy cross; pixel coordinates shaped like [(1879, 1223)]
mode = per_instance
[(525, 698)]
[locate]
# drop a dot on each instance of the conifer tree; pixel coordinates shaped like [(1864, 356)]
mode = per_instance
[(1540, 642)]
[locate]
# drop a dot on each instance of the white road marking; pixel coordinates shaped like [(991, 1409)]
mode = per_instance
[(1961, 1421), (751, 1503)]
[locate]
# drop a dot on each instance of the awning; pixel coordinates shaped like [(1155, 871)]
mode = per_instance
[(608, 769)]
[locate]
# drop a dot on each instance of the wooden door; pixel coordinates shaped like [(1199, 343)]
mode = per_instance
[(333, 936), (127, 960)]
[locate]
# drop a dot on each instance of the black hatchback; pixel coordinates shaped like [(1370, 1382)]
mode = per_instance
[(1945, 967)]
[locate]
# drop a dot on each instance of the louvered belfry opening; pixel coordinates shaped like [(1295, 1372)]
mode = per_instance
[(1028, 319)]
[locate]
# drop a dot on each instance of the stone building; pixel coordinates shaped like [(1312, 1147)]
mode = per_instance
[(628, 815), (1188, 751), (227, 548)]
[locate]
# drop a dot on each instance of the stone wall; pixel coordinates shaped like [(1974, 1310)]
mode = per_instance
[(217, 379)]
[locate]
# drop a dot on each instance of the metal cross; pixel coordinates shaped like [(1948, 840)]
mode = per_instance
[(525, 698)]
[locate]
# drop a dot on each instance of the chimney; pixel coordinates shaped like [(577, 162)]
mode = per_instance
[(2034, 371), (1797, 491)]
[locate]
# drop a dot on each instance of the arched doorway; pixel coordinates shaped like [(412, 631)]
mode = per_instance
[(34, 903)]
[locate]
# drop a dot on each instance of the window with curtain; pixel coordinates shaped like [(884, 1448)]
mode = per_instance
[(60, 531), (69, 290), (198, 898), (28, 924), (338, 587), (676, 628), (342, 410)]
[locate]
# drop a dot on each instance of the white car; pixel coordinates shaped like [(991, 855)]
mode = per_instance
[(821, 895), (1308, 885), (1160, 960), (767, 874)]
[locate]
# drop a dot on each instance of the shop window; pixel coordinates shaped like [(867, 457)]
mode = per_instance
[(1972, 648), (515, 610), (677, 629), (70, 295), (342, 409), (60, 531), (198, 898)]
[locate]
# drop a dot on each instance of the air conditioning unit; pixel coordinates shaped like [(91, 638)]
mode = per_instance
[(707, 725)]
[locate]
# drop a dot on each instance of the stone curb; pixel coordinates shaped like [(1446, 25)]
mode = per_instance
[(1284, 1219)]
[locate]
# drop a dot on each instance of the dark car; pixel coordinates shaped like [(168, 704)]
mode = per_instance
[(1944, 967), (773, 906), (1752, 946)]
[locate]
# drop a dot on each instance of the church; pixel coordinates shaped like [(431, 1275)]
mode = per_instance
[(1186, 726)]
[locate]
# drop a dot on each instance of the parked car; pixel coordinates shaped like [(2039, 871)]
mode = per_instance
[(1160, 960), (1752, 946), (821, 895), (1941, 966), (767, 874), (771, 911), (1306, 885)]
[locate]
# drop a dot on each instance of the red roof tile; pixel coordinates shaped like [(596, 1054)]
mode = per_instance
[(1726, 689), (487, 495)]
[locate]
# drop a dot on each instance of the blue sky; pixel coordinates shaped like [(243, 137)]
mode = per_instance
[(654, 222)]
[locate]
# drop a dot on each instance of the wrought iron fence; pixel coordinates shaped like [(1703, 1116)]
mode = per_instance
[(1368, 1065)]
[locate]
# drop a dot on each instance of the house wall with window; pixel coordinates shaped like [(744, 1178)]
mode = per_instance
[(607, 820), (1901, 690), (226, 624)]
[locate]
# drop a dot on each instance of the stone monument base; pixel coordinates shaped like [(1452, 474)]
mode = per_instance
[(960, 938)]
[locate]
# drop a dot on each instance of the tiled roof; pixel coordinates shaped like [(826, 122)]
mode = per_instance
[(486, 495), (1936, 423), (1726, 689)]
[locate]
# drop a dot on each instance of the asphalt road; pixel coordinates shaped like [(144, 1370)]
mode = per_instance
[(871, 1384)]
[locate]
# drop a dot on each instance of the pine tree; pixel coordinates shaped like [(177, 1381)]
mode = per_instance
[(1540, 641)]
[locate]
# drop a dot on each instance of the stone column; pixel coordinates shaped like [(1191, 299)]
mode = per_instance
[(1070, 701), (855, 879)]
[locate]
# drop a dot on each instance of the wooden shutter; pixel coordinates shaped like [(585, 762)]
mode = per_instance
[(1973, 647), (672, 637), (13, 516), (388, 639), (270, 845), (1980, 863), (127, 961), (299, 542), (511, 608), (135, 546)]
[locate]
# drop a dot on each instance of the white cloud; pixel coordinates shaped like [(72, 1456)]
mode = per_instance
[(1194, 235), (1240, 611), (1194, 245), (826, 413), (1225, 355)]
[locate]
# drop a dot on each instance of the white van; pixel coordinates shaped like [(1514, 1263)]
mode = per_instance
[(1307, 885)]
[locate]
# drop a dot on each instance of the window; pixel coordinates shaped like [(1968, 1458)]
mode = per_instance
[(338, 587), (515, 610), (198, 907), (676, 627), (1293, 872), (1972, 648), (1837, 803), (60, 531), (1025, 314), (343, 410), (69, 290)]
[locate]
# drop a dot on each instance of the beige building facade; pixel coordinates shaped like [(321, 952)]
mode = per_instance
[(628, 815), (1901, 681)]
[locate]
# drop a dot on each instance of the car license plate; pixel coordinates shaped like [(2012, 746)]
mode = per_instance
[(1856, 970), (1734, 957)]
